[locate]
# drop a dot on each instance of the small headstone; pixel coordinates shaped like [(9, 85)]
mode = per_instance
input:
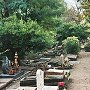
[(62, 59), (49, 66), (66, 59), (40, 79)]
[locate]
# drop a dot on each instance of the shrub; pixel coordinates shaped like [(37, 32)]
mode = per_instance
[(71, 45), (22, 37), (71, 29)]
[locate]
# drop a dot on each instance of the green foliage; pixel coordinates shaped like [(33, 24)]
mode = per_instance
[(33, 25), (85, 4), (37, 7), (71, 29), (17, 35), (37, 10), (71, 45)]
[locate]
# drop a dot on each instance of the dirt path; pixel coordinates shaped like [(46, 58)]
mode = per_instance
[(80, 75)]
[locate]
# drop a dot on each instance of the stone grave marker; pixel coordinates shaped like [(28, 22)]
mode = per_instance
[(62, 59), (40, 79)]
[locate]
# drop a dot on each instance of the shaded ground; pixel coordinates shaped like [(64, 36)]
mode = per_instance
[(80, 75)]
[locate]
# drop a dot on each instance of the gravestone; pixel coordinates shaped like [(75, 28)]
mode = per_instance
[(66, 61), (5, 65), (62, 59), (72, 57), (40, 79)]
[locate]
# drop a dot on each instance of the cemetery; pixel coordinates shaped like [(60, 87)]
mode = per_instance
[(44, 45), (43, 72), (55, 69)]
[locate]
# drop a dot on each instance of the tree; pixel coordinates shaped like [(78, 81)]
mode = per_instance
[(24, 37), (4, 10), (71, 29), (70, 15), (74, 13), (37, 10), (86, 8)]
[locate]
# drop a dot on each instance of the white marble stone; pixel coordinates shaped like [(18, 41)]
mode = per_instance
[(50, 88), (40, 79)]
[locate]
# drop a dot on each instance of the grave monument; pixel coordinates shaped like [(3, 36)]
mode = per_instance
[(6, 65), (11, 69)]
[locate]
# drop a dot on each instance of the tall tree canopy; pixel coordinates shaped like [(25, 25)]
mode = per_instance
[(39, 10)]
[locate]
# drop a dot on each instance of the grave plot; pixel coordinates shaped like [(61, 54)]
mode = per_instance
[(48, 79), (60, 62), (39, 83), (43, 64), (49, 54), (56, 51), (10, 72), (4, 82), (47, 64), (72, 57)]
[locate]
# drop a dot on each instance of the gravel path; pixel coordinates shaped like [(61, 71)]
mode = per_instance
[(80, 75)]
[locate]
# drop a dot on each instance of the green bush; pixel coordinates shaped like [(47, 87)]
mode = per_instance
[(71, 45), (65, 30), (22, 37)]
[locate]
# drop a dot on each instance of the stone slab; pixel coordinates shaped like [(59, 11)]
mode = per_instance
[(1, 84), (4, 82), (34, 88), (50, 88), (45, 59), (26, 88), (74, 62), (72, 56), (12, 76)]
